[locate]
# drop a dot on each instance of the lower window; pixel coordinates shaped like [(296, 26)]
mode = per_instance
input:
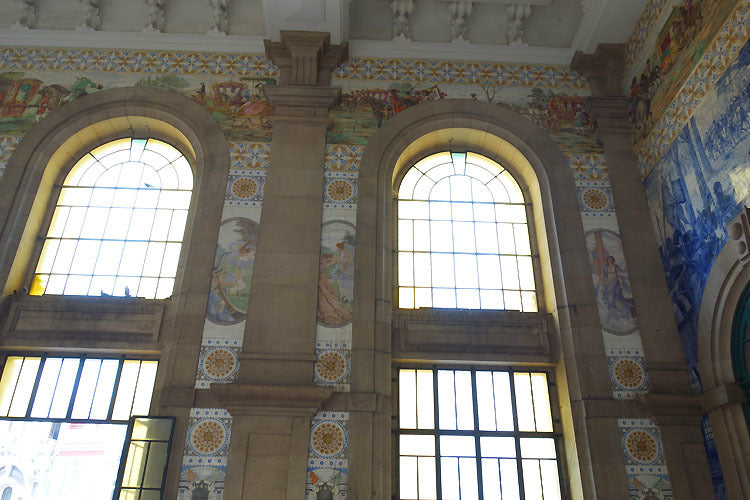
[(63, 422), (476, 435)]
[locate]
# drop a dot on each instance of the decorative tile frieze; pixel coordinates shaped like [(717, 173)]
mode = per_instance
[(8, 144), (588, 166), (327, 466), (642, 30), (433, 71), (343, 156), (645, 465), (204, 463)]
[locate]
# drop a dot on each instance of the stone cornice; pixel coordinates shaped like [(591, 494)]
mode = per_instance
[(251, 399), (305, 57)]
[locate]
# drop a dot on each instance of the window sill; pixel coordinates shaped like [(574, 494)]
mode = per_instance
[(56, 319), (432, 333)]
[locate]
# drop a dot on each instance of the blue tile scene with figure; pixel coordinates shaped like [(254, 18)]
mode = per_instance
[(696, 189)]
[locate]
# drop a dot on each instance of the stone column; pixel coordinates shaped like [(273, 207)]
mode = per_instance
[(274, 399), (670, 402)]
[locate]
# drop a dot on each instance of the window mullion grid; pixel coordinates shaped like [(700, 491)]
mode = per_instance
[(499, 260), (517, 437), (40, 369), (106, 223), (135, 387), (114, 389), (69, 413), (453, 251), (96, 386), (477, 449), (436, 432)]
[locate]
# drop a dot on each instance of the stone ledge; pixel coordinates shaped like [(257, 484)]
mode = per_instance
[(249, 399), (473, 331), (84, 318)]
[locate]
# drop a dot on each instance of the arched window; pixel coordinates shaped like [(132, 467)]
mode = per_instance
[(118, 225), (463, 239)]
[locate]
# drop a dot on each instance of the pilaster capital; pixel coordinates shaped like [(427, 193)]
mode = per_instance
[(300, 102), (603, 69), (611, 115), (305, 57)]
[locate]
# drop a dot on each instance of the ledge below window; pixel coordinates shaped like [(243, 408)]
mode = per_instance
[(512, 336), (56, 320)]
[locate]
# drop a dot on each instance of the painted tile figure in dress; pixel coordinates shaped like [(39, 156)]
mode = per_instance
[(336, 282)]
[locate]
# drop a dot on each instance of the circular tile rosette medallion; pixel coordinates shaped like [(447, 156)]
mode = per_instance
[(244, 188), (642, 446), (628, 373), (331, 366), (208, 436), (219, 363), (327, 438), (595, 199), (340, 190)]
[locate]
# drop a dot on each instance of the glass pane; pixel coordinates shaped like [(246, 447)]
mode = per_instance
[(174, 199), (421, 235), (521, 232), (157, 460), (459, 162), (491, 479), (56, 284), (24, 386), (46, 389), (503, 407), (74, 197), (135, 464), (480, 192), (449, 481), (440, 172), (467, 299), (541, 402), (446, 400), (425, 400), (442, 297), (145, 387), (498, 447), (486, 236), (64, 389), (422, 191), (464, 400), (413, 210), (8, 382), (485, 402), (126, 390), (463, 237), (118, 223), (510, 272), (441, 236), (65, 252), (528, 300), (532, 480), (422, 269), (457, 446), (105, 385), (49, 251), (171, 259), (524, 405), (512, 300), (509, 473), (102, 197), (133, 256), (469, 486), (146, 428), (489, 271), (505, 238), (58, 222), (405, 235), (466, 271), (95, 222), (442, 270), (140, 224), (416, 445), (422, 297), (85, 257), (441, 191), (427, 478), (462, 212), (164, 288), (516, 196), (525, 273), (406, 269), (407, 397), (408, 477), (550, 480), (440, 210), (460, 188), (406, 298), (124, 197), (538, 448), (86, 388), (491, 299), (406, 189)]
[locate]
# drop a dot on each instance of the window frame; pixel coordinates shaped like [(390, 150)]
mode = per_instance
[(555, 434), (397, 178), (59, 184)]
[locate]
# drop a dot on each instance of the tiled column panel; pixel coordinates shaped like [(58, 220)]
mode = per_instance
[(204, 463)]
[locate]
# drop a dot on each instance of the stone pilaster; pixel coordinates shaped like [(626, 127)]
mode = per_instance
[(670, 401), (275, 398)]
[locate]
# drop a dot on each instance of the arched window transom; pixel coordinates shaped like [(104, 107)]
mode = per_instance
[(118, 225), (463, 239)]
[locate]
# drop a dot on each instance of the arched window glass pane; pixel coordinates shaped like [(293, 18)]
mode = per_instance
[(463, 238), (119, 221)]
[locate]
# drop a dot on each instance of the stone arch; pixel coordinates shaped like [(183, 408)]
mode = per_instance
[(41, 161), (538, 163), (722, 396)]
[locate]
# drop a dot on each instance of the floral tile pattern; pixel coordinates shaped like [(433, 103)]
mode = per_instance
[(437, 72), (641, 32), (327, 465), (341, 157), (645, 465), (588, 166), (218, 362), (206, 448)]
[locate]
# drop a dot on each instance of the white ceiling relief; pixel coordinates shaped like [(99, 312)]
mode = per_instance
[(532, 31)]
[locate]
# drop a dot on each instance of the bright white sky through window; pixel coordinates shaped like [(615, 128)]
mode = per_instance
[(119, 221), (463, 241)]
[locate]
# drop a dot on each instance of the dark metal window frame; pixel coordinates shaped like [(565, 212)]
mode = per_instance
[(476, 433), (44, 356)]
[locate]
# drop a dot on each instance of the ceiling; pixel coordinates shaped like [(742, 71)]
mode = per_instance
[(533, 31)]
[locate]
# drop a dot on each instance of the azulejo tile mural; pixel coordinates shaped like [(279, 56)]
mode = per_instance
[(645, 466), (205, 459), (327, 466), (696, 188), (588, 166), (683, 103), (8, 144), (218, 362), (643, 29)]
